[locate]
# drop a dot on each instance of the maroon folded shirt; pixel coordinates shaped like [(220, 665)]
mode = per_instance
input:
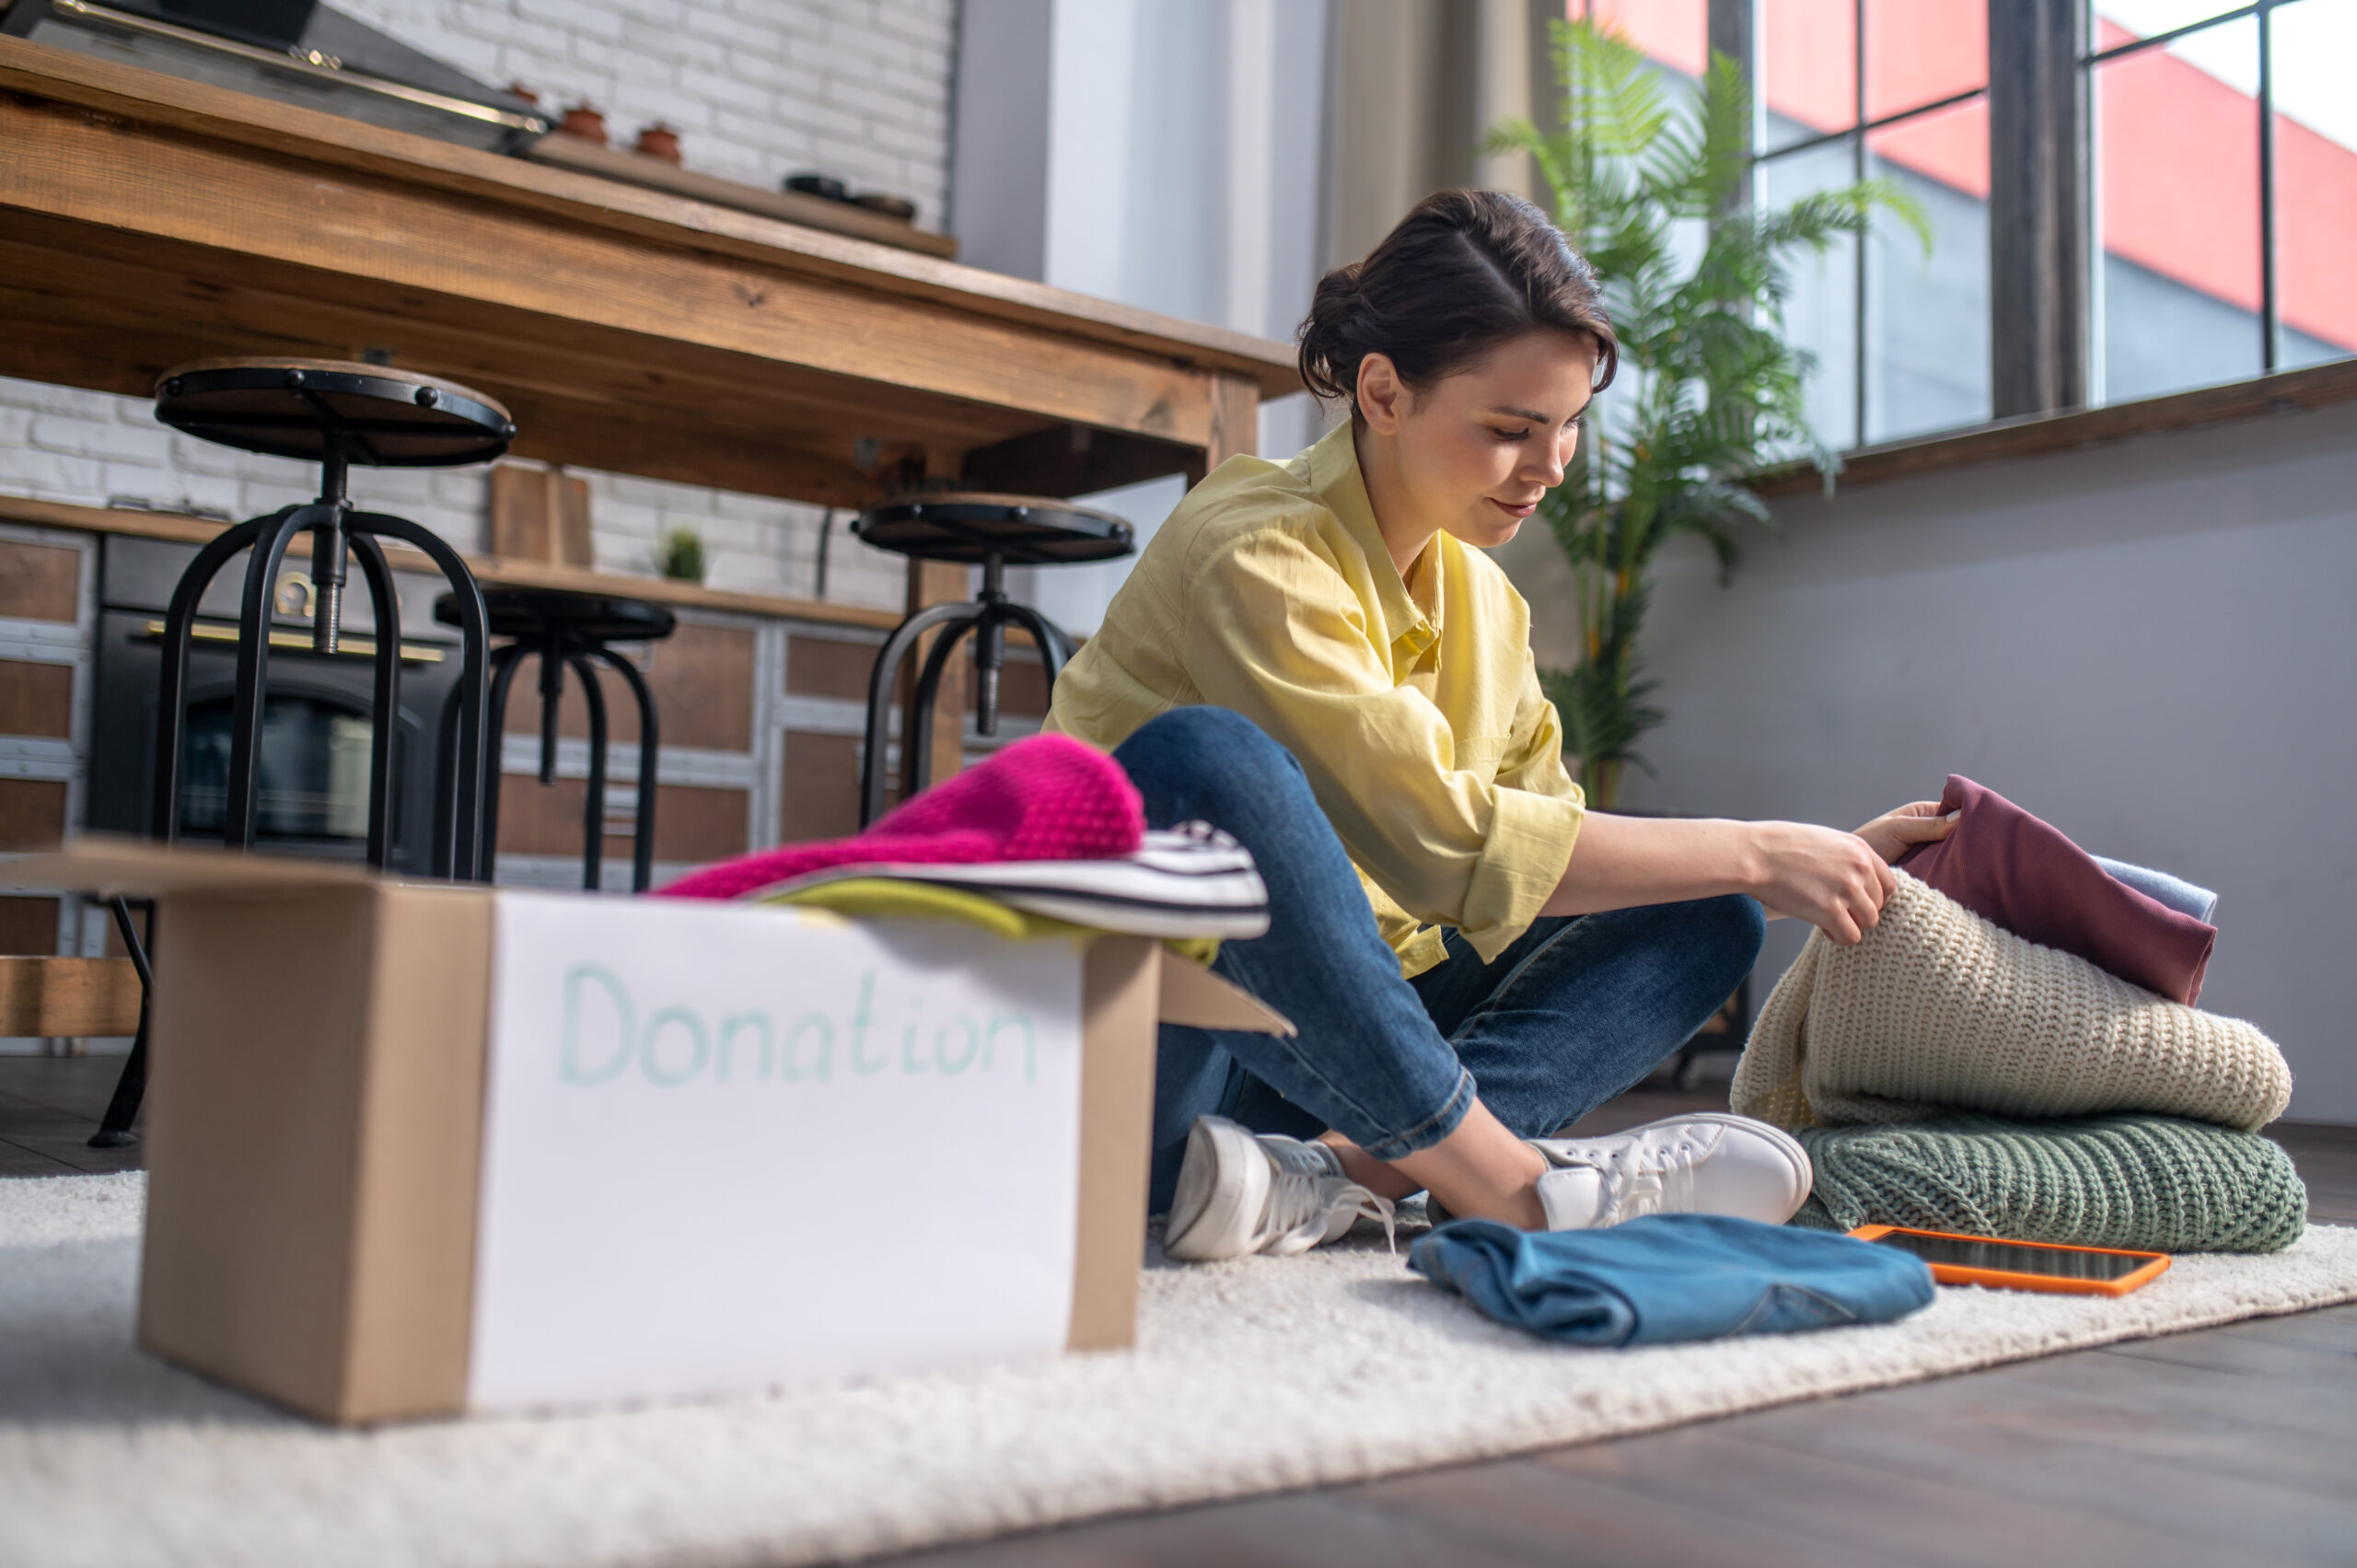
[(2006, 866)]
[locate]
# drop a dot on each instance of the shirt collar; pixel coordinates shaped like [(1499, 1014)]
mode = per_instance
[(1411, 620)]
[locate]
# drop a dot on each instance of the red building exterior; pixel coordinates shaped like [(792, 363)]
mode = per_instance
[(2177, 148)]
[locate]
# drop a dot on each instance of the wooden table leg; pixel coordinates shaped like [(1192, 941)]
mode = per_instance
[(1235, 425)]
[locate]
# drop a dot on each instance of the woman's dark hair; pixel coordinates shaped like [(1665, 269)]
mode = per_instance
[(1465, 272)]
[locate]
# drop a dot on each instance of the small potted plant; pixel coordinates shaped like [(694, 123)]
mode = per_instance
[(679, 555)]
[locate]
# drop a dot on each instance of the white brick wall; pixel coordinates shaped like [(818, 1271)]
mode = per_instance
[(756, 88)]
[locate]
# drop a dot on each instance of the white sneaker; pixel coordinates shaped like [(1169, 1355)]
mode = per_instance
[(1708, 1163), (1240, 1194)]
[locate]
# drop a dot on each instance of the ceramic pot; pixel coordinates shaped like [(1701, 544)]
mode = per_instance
[(586, 123), (658, 141)]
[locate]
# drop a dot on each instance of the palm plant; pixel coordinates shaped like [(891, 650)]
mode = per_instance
[(1652, 189)]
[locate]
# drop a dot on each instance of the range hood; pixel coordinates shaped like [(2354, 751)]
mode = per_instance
[(333, 63)]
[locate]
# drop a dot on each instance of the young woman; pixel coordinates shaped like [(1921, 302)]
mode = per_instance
[(1316, 657)]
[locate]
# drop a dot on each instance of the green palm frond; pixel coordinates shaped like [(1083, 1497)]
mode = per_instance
[(1653, 184)]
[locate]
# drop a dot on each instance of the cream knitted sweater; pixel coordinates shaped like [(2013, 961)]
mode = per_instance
[(1939, 1010)]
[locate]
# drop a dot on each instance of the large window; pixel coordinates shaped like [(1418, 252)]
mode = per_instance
[(2221, 192), (2225, 207), (1897, 90), (1847, 89)]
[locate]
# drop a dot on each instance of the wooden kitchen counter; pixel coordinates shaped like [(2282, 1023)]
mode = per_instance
[(145, 221)]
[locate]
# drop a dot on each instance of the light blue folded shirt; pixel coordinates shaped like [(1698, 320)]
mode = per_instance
[(2170, 891)]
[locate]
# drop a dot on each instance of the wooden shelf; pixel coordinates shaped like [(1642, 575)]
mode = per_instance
[(490, 570), (562, 151)]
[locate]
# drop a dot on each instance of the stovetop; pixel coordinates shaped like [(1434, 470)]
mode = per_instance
[(335, 65)]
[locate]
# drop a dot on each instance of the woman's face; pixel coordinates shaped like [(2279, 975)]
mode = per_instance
[(1474, 452)]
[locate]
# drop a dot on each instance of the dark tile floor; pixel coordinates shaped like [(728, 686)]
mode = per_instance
[(2231, 1446), (49, 1107)]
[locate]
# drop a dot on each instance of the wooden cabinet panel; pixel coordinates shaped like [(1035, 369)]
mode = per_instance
[(1023, 684), (36, 699), (28, 925), (39, 581), (32, 814), (692, 822), (701, 678), (821, 795), (828, 667)]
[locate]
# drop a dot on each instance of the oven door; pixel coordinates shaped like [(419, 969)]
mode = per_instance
[(317, 742), (314, 765)]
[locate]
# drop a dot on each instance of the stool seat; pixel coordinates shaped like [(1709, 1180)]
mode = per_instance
[(370, 414), (539, 614), (972, 527)]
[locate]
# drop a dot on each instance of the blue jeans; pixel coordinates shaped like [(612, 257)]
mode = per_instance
[(1575, 1011), (1662, 1277)]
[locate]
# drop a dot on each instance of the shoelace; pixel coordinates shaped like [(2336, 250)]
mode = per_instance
[(1301, 1206), (1649, 1181)]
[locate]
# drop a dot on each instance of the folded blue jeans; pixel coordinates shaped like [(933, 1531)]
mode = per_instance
[(1574, 1011), (1670, 1277)]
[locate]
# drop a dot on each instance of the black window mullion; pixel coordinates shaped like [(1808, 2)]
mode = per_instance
[(1901, 118), (2163, 39), (2269, 324)]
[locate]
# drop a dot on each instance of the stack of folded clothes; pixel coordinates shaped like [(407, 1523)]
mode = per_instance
[(1047, 838), (2012, 1051)]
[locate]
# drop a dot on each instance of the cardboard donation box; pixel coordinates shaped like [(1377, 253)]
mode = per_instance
[(420, 1149)]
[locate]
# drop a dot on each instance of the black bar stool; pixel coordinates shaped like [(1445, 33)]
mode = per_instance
[(566, 630), (993, 532), (336, 414)]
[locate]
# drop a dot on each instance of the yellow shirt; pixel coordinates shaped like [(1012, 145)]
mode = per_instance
[(1415, 712)]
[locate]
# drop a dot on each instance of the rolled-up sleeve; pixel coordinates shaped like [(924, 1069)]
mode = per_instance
[(1274, 632), (1534, 756)]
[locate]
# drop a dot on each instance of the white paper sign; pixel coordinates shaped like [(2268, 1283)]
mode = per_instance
[(727, 1148)]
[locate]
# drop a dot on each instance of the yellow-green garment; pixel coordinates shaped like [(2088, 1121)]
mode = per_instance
[(875, 898), (1414, 706)]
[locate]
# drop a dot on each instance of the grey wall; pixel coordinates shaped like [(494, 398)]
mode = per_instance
[(2151, 644), (1162, 153), (998, 181)]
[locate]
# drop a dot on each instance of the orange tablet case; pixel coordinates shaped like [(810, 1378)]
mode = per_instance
[(2000, 1279)]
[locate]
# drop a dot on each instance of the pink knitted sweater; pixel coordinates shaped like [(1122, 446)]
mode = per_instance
[(1049, 797)]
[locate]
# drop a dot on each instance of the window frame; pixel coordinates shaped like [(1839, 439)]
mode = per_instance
[(1856, 133), (2271, 324), (2084, 62)]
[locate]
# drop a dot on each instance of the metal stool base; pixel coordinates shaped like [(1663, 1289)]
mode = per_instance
[(986, 619)]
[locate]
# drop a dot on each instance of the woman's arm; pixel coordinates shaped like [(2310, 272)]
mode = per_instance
[(1836, 881)]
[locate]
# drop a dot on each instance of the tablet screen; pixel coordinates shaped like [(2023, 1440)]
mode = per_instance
[(2015, 1256)]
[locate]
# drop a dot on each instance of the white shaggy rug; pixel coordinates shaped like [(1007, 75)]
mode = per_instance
[(1249, 1376)]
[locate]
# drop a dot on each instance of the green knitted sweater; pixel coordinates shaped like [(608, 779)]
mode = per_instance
[(2153, 1183)]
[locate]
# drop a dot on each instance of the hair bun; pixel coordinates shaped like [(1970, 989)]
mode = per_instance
[(1330, 360), (1462, 273)]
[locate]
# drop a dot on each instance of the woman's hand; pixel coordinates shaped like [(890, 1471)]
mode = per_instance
[(1834, 880), (1893, 833)]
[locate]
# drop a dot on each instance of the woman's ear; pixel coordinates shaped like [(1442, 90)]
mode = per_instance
[(1382, 396)]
